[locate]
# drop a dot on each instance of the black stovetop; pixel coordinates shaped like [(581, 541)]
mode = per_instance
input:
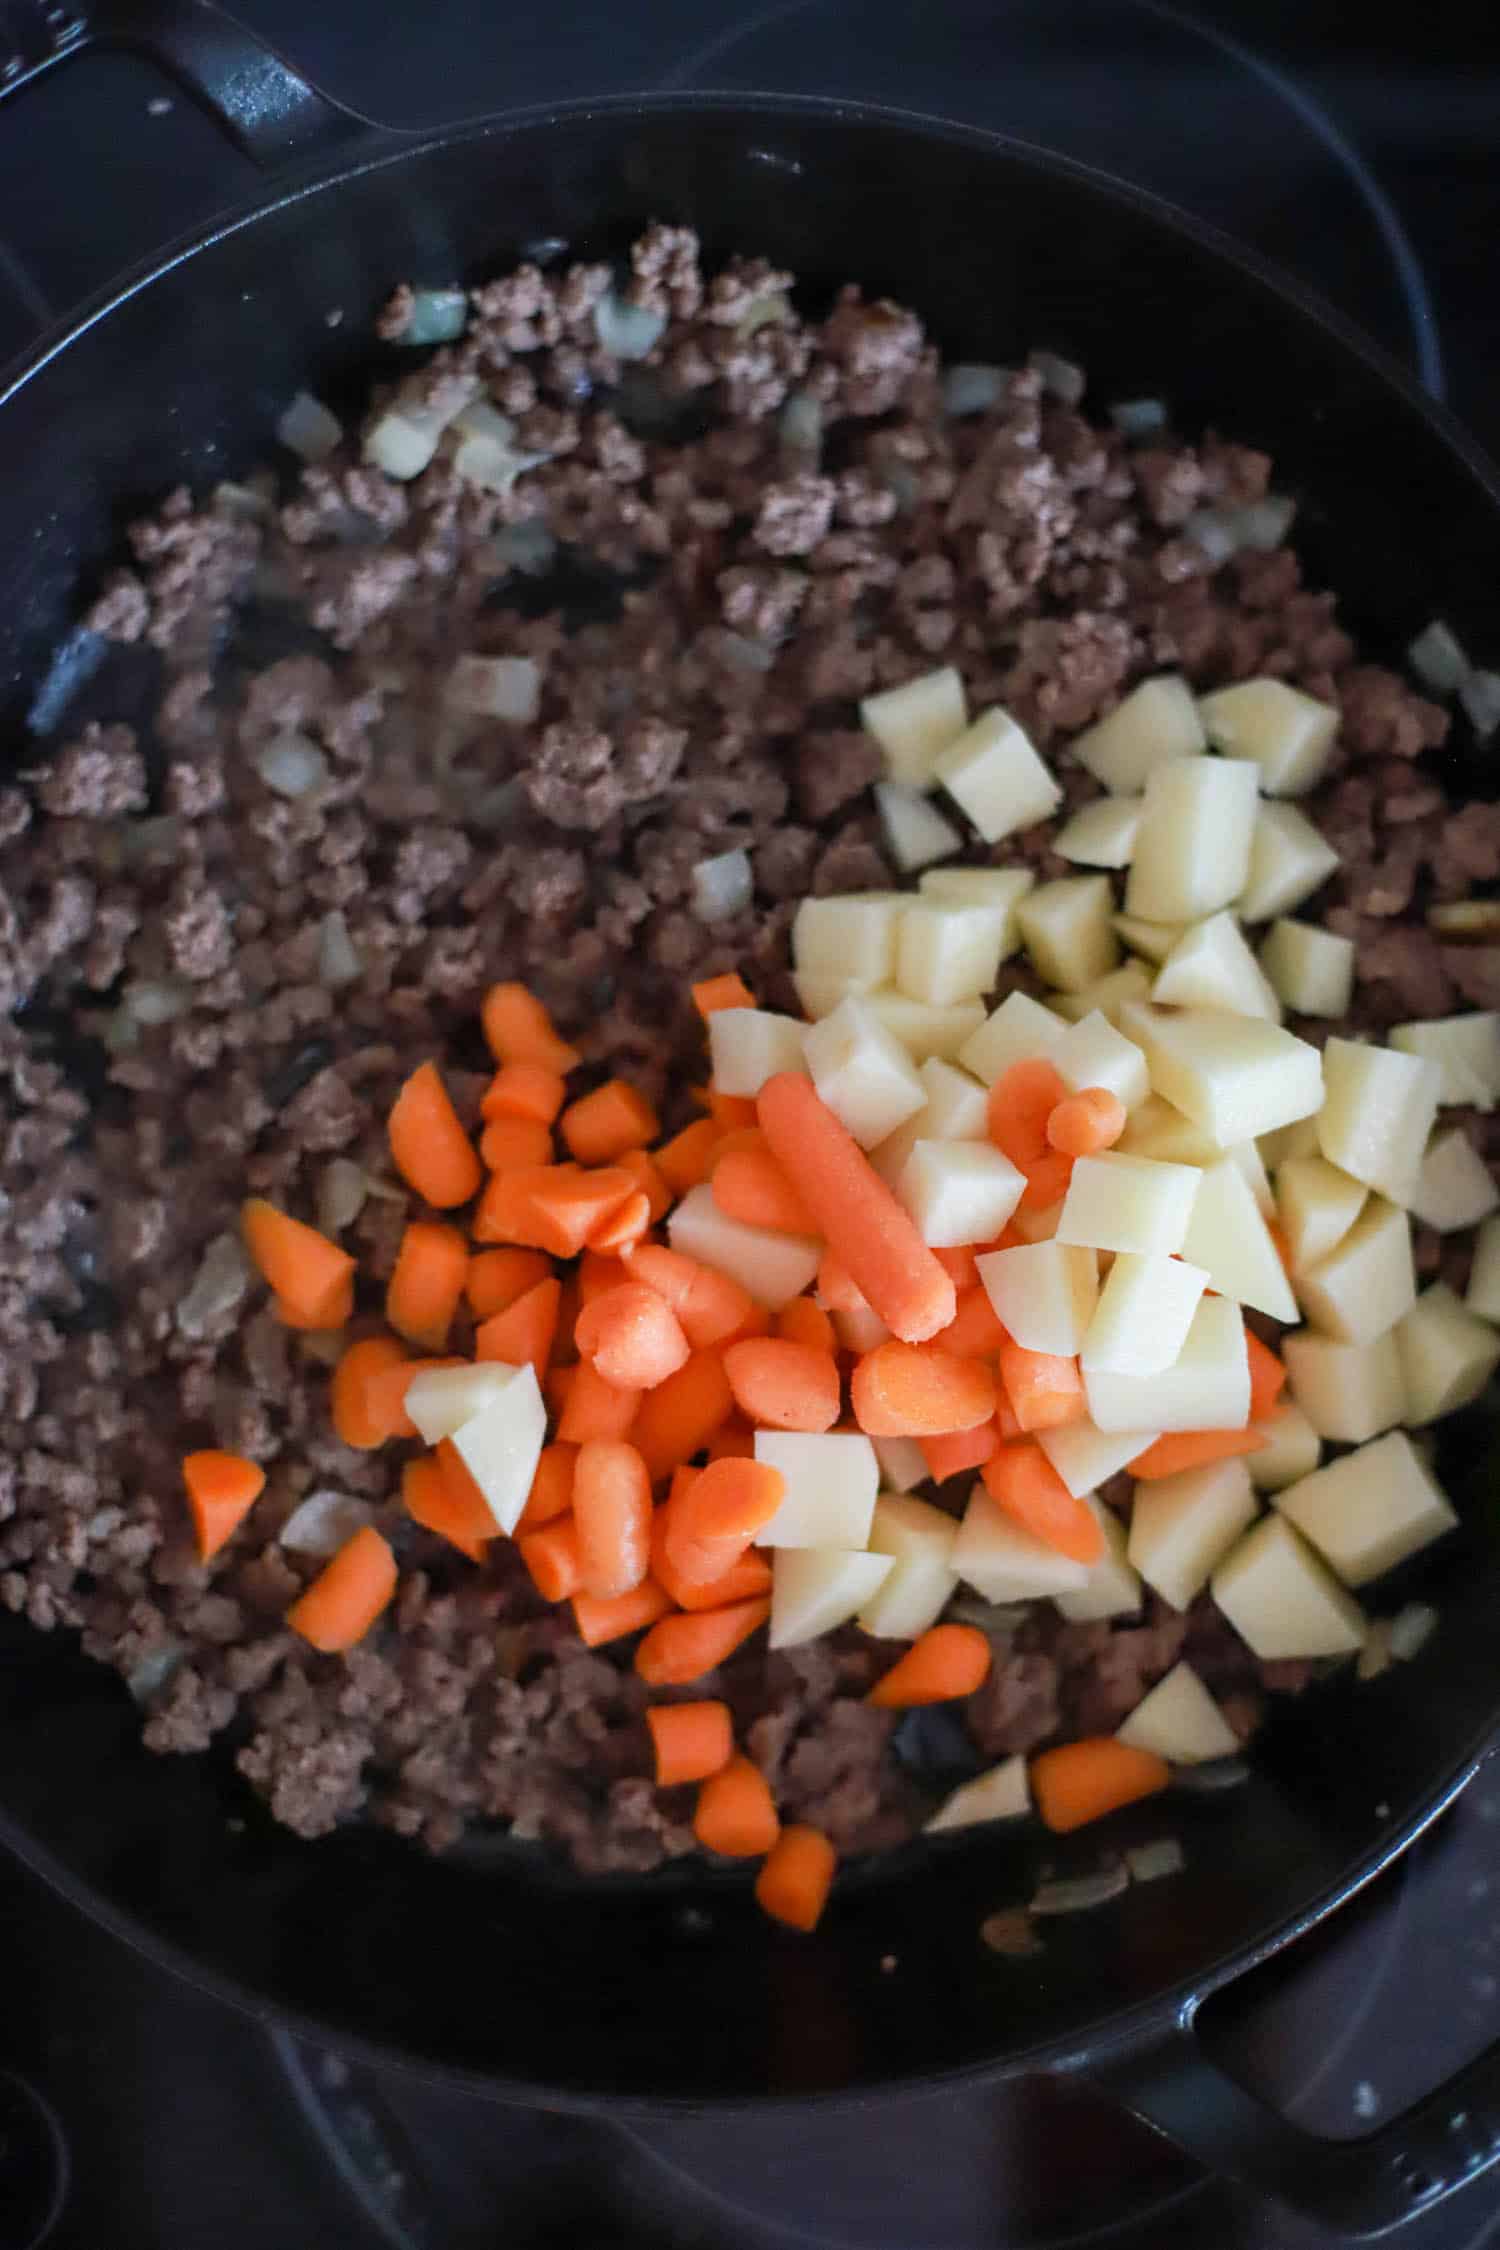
[(1373, 171)]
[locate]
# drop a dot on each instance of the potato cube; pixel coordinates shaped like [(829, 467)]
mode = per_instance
[(1004, 1793), (1101, 834), (1466, 1050), (1192, 850), (959, 1191), (1448, 1355), (1348, 1392), (1093, 1053), (1207, 1389), (915, 833), (773, 1267), (1180, 1721), (1085, 1457), (852, 937), (1113, 1586), (1019, 1029), (1289, 860), (919, 1539), (816, 1589), (1246, 1154), (903, 1464), (1119, 1202), (441, 1399), (502, 1444), (1181, 1526), (923, 1030), (1316, 1205), (1311, 971), (1365, 1284), (747, 1046), (1370, 1509), (1157, 1129), (1287, 733), (1108, 998), (1454, 1187), (1483, 1293), (1292, 1447), (914, 722), (1211, 966), (1228, 1236), (1288, 1142), (1378, 1108), (1282, 1600), (862, 1071), (819, 996), (1234, 1075), (953, 1111), (948, 949), (1066, 927), (1004, 1563), (1145, 1310), (831, 1484), (995, 777), (1004, 887), (1152, 940), (1043, 1292), (1158, 720)]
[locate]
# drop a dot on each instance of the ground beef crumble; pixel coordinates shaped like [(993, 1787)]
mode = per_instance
[(696, 697)]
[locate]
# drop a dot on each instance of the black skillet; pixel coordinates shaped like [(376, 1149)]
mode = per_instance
[(643, 1997)]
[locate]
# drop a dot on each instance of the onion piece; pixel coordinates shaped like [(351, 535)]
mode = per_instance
[(222, 1278), (240, 503), (1264, 524), (342, 1191), (528, 547), (308, 429), (1061, 378), (437, 316), (1216, 531), (1080, 1892), (404, 437), (338, 963), (495, 687), (321, 1523), (156, 1000), (151, 1672), (292, 765), (1479, 693), (970, 388), (801, 424), (1148, 1863), (1437, 658), (722, 886), (1139, 417), (1411, 1629), (485, 452), (627, 331)]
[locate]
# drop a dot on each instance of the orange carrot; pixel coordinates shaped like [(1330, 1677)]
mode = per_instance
[(949, 1454), (356, 1422), (602, 1125), (569, 1305), (678, 1418), (684, 1160), (612, 1509), (497, 1278), (650, 1181), (307, 1272), (514, 1144), (431, 1499), (1086, 1122), (942, 1664), (681, 1649), (331, 1312), (348, 1594), (794, 1884), (557, 1389), (728, 1111), (733, 1440), (731, 1143), (524, 1331), (749, 1185), (1191, 1449), (525, 1089), (594, 1408), (1048, 1179), (599, 1622), (1022, 1481), (783, 1386), (632, 1336), (959, 1266), (1018, 1108), (710, 1306), (1082, 1781), (465, 1490), (554, 1557), (866, 1228), (599, 1270), (803, 1322), (975, 1331), (1044, 1389), (555, 1207), (431, 1268), (518, 1029), (429, 1147), (625, 1226), (551, 1493), (222, 1488), (735, 1816), (385, 1391), (1007, 1426), (691, 1741), (729, 991), (1267, 1376), (837, 1290), (916, 1390), (712, 1519), (742, 1581)]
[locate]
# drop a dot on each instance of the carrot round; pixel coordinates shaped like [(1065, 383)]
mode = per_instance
[(309, 1274), (916, 1390), (358, 1419), (1086, 1122), (512, 1144), (1191, 1449), (612, 1509), (554, 1557), (749, 1185), (437, 1501), (1019, 1108), (691, 1741), (952, 1453), (712, 1519), (943, 1663), (594, 1408), (633, 1337), (525, 1089), (524, 1331), (1267, 1376), (711, 1307), (794, 1884), (866, 1228), (431, 1268), (599, 1622), (602, 1125), (348, 1594), (678, 1418), (783, 1386), (1082, 1781), (551, 1493), (744, 1580), (683, 1161), (975, 1331), (518, 1029), (679, 1650), (728, 991), (803, 1322), (222, 1488), (1022, 1481), (1044, 1389), (496, 1278), (429, 1147), (736, 1815)]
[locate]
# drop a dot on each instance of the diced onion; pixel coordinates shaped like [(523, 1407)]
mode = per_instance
[(322, 1522), (1216, 531), (722, 886), (1411, 1629), (495, 687), (292, 765), (971, 388), (1081, 1892), (528, 547), (1479, 693), (156, 1000), (485, 451), (240, 503), (1139, 417), (151, 1672), (1060, 377), (801, 424), (222, 1278), (1264, 524), (338, 963), (308, 429), (627, 331), (400, 447), (1148, 1863), (341, 1194), (437, 316), (1437, 658)]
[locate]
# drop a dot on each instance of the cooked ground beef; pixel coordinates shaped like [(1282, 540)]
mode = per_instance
[(725, 597)]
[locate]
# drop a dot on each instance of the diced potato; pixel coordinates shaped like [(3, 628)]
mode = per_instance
[(1364, 1285), (1108, 998), (1067, 929), (1483, 1293), (959, 1191), (1145, 1310), (1004, 887), (1311, 971), (915, 832), (1370, 1509), (1004, 1793), (1207, 1389), (919, 1539), (1287, 733), (1119, 1202), (1282, 1600), (831, 1484), (1454, 1187), (1019, 1029), (852, 937), (502, 1444), (1448, 1355), (953, 1111), (1228, 1236), (1004, 1563), (903, 1464), (1157, 1129), (1466, 1050), (914, 722), (1246, 1154), (1180, 1721), (747, 1046), (1043, 1292), (815, 1589), (1192, 850), (1085, 1457), (1234, 1075), (441, 1399), (922, 1029), (1157, 721), (995, 777), (1181, 1526), (862, 1071), (1292, 1447), (1211, 966), (1113, 1586), (819, 996), (773, 1267), (1153, 940), (1093, 1053), (1289, 1141), (1348, 1392), (1378, 1108), (948, 949), (1289, 860), (1316, 1205), (1101, 834)]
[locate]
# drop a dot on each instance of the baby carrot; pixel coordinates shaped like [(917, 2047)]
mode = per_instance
[(678, 1650), (729, 1111), (569, 1305), (632, 1336), (1086, 1122), (599, 1270), (1082, 1781), (1191, 1449), (348, 1594), (554, 1557), (749, 1185), (803, 1322), (729, 991), (496, 1278), (794, 1883), (432, 1498), (710, 1306), (429, 1147), (1044, 1389), (942, 1664), (733, 1440), (554, 1207), (625, 1226), (1018, 1109), (650, 1181), (524, 1331), (743, 1581), (684, 1160), (513, 1144), (1267, 1376), (612, 1510), (525, 1089), (518, 1029), (783, 1386), (736, 1816), (1048, 1179), (954, 1451), (712, 1519), (594, 1408), (959, 1266), (551, 1493), (916, 1390), (600, 1126), (1023, 1482), (678, 1418), (837, 1290), (866, 1228), (691, 1741), (331, 1312), (222, 1488), (307, 1272), (975, 1331), (357, 1421), (431, 1268), (599, 1622)]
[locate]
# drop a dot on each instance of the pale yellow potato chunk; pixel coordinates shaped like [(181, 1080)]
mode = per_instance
[(1119, 1202), (1348, 1392), (1004, 1563), (1455, 1188), (1289, 860), (919, 1540), (948, 949), (1180, 1721), (1291, 1448), (1211, 966), (1312, 971), (1483, 1293), (1235, 1076), (862, 1071), (816, 1589), (1370, 1509), (1316, 1204), (1113, 1586), (1101, 834), (1448, 1355), (1287, 733), (995, 777), (1044, 1293), (1093, 1053), (1157, 720), (1004, 1793), (1181, 1526), (1283, 1600), (1067, 929), (1145, 1309), (1192, 849), (1228, 1237), (1364, 1285), (1153, 940), (852, 937), (1466, 1049), (1019, 1029), (1208, 1387), (747, 1046), (914, 722), (914, 831), (1378, 1108), (1004, 887)]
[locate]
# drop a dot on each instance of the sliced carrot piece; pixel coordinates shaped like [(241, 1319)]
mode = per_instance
[(465, 1490), (1267, 1376), (975, 1331), (744, 1580), (557, 1389), (429, 1147), (650, 1181), (691, 1741), (431, 1499), (1048, 1179), (625, 1226), (599, 1622), (600, 1126), (599, 1270), (553, 1207), (427, 1284), (1086, 1122), (712, 1519), (682, 1649), (783, 1386), (942, 1664), (1019, 1108), (794, 1884), (955, 1451), (496, 1278), (728, 991), (837, 1290), (306, 1270), (684, 1160), (749, 1185), (1191, 1449), (803, 1322), (959, 1266), (329, 1313), (736, 1816), (524, 1331), (632, 1336), (594, 1408), (1044, 1389), (518, 1029), (678, 1418), (515, 1144), (729, 1111), (1022, 1481), (916, 1390), (733, 1440), (554, 1557), (222, 1488), (356, 1420), (525, 1089), (551, 1493), (1082, 1781), (348, 1594), (710, 1306)]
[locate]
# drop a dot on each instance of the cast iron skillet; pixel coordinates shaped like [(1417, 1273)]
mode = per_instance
[(648, 1996)]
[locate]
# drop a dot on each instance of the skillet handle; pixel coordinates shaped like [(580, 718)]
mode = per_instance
[(268, 109)]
